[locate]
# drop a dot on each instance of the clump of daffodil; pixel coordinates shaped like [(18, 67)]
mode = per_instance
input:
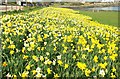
[(55, 42)]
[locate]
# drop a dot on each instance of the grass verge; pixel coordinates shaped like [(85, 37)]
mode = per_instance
[(105, 17)]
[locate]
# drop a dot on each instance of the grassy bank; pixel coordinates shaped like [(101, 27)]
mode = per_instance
[(105, 17)]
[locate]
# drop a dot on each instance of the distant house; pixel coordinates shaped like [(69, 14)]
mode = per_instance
[(19, 2), (92, 0), (107, 0), (23, 2)]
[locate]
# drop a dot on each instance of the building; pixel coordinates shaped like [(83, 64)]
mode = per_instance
[(92, 0), (107, 0)]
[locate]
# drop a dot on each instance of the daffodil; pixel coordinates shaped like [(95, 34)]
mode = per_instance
[(55, 48), (59, 57), (11, 52), (38, 75), (42, 48), (25, 74), (74, 57), (56, 76), (38, 70), (103, 65), (35, 58), (112, 76), (14, 76), (81, 65), (12, 46), (83, 56), (49, 62), (95, 58), (8, 75), (32, 44), (93, 69), (38, 48), (23, 49), (25, 57), (41, 58), (28, 67), (49, 71), (60, 62), (66, 66), (102, 73), (4, 64), (113, 69), (105, 57), (39, 38), (87, 72), (9, 24), (45, 36), (113, 56), (34, 72)]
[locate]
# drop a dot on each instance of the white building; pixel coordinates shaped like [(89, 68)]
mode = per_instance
[(108, 1)]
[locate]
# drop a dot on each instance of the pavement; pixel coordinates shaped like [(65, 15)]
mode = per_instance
[(4, 8)]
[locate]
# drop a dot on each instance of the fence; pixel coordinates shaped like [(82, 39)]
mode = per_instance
[(5, 8)]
